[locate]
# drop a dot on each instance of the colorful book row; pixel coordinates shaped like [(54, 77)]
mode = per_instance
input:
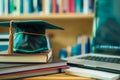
[(45, 6)]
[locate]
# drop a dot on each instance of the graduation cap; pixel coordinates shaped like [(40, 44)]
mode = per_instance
[(28, 36)]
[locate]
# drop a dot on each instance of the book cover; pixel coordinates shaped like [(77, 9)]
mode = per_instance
[(42, 57)]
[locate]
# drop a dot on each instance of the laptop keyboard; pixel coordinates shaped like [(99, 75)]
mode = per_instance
[(102, 59)]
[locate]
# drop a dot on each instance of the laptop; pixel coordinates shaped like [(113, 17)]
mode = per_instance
[(105, 39)]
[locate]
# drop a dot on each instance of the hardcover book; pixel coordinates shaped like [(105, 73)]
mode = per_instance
[(42, 57)]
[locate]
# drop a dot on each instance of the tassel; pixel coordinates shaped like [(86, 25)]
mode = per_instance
[(11, 31)]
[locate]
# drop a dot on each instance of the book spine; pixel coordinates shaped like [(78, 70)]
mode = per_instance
[(21, 6), (61, 6), (18, 7), (90, 6), (58, 6), (54, 7), (35, 5), (15, 7), (47, 6), (79, 6), (39, 6), (6, 7), (30, 6), (62, 53), (71, 6), (2, 7), (79, 42), (10, 6), (68, 6), (65, 5), (25, 3), (4, 39), (85, 6), (73, 50)]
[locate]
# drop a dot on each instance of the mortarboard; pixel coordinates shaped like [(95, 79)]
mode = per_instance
[(29, 35)]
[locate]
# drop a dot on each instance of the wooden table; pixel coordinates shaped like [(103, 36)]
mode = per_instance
[(61, 76)]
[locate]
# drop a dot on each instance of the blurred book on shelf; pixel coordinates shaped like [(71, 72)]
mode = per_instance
[(45, 6), (4, 39), (82, 46)]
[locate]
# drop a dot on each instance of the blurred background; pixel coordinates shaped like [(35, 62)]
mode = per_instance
[(75, 16)]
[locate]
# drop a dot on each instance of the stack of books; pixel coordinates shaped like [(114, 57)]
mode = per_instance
[(16, 66), (22, 70)]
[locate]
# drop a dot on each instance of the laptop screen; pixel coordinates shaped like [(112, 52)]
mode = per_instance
[(106, 27)]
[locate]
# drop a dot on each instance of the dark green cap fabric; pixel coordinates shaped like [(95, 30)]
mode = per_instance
[(33, 26)]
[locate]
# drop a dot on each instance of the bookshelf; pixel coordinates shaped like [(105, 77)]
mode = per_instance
[(49, 16), (74, 24)]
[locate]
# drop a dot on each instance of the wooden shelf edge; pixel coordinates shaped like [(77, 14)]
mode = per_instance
[(46, 16)]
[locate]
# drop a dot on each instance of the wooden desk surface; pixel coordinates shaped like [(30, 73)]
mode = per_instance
[(61, 76)]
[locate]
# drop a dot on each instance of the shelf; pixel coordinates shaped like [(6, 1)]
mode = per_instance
[(47, 16)]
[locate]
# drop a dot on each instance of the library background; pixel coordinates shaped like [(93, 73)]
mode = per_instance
[(75, 16)]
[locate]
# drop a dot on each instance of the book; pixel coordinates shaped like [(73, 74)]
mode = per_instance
[(39, 5), (36, 72), (61, 6), (42, 57), (2, 5), (47, 4), (6, 7), (70, 6), (85, 6), (54, 6), (6, 68), (79, 6), (4, 39)]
